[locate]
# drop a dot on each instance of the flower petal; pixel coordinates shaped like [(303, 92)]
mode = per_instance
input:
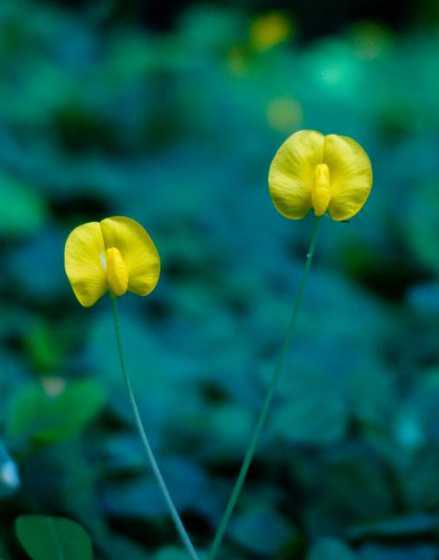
[(83, 254), (138, 251), (351, 176), (291, 173)]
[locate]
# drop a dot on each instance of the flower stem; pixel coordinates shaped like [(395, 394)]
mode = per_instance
[(278, 370), (149, 452)]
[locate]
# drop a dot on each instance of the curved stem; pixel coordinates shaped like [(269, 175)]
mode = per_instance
[(268, 399), (149, 452)]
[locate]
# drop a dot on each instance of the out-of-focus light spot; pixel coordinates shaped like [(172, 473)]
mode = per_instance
[(284, 114), (409, 432), (270, 30), (332, 75), (9, 476), (53, 386)]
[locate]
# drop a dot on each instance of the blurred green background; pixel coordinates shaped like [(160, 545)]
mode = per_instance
[(171, 114)]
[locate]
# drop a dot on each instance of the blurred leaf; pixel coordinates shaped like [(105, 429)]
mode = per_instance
[(228, 429), (142, 497), (123, 454), (118, 547), (44, 346), (316, 421), (37, 267), (419, 480), (372, 394), (423, 225), (424, 298), (414, 526), (422, 404), (22, 211), (403, 552), (170, 553), (330, 549), (55, 411), (316, 412), (348, 484), (262, 532), (53, 538)]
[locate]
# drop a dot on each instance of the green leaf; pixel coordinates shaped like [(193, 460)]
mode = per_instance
[(330, 549), (141, 498), (402, 552), (422, 225), (422, 404), (415, 526), (117, 547), (174, 553), (55, 411), (355, 488), (53, 538), (314, 421), (424, 298), (262, 532), (170, 553), (316, 412)]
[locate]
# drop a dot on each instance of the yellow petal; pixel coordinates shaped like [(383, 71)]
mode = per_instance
[(321, 190), (117, 272), (138, 252), (351, 176), (84, 259), (291, 174)]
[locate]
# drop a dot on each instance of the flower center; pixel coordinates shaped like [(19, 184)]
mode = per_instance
[(117, 272), (321, 189)]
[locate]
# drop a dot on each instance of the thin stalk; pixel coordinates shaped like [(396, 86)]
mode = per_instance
[(150, 454), (278, 370)]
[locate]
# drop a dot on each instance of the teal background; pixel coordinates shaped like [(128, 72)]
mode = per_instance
[(104, 113)]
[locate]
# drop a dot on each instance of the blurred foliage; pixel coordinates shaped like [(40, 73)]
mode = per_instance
[(177, 130), (49, 538)]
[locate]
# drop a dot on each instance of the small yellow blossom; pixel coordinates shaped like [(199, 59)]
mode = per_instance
[(326, 173), (269, 30), (115, 255)]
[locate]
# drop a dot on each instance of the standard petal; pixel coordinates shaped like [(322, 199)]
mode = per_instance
[(351, 176), (291, 173), (84, 255), (138, 251)]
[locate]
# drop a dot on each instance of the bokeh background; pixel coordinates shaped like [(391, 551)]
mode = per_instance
[(170, 113)]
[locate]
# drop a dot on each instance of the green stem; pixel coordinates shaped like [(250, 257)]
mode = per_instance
[(155, 468), (268, 399)]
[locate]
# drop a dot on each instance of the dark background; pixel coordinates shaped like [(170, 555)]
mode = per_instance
[(315, 18)]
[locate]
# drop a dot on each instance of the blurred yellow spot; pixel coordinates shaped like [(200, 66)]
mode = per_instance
[(269, 30), (284, 114), (53, 386)]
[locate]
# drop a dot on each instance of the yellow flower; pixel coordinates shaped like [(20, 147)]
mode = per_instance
[(115, 254), (326, 173), (269, 30)]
